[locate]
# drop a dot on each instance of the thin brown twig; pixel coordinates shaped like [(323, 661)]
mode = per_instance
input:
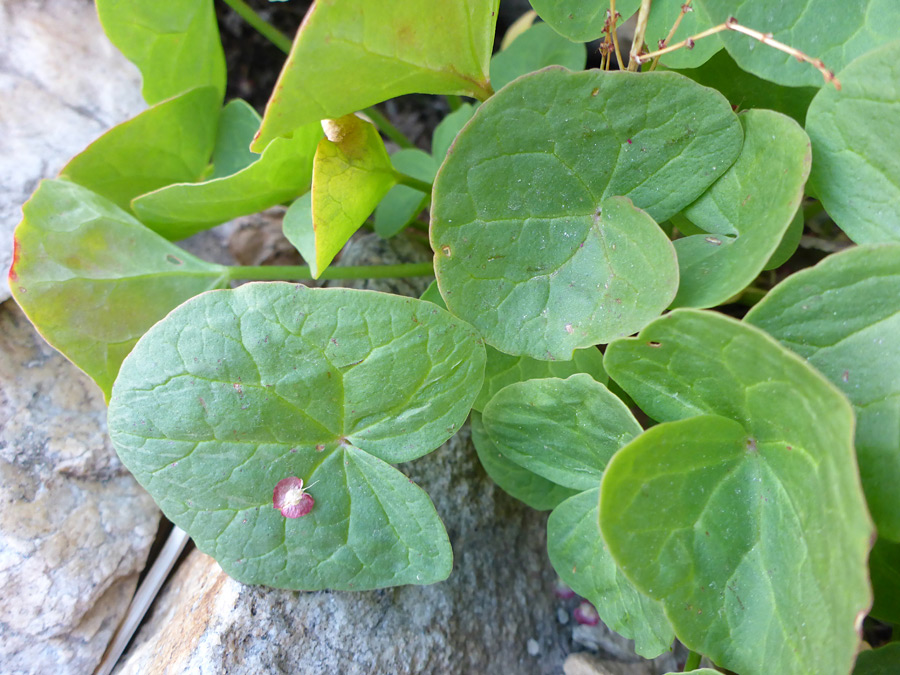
[(685, 8), (765, 38), (634, 61), (612, 32)]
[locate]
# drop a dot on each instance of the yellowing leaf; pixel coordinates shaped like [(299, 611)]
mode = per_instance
[(351, 54)]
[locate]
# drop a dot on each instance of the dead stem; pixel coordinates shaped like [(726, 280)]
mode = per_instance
[(685, 8), (634, 61), (765, 38)]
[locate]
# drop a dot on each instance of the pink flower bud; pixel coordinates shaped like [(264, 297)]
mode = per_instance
[(586, 615), (290, 498)]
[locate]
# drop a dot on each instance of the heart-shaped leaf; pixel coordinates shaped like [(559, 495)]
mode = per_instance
[(530, 243), (169, 143), (843, 315), (236, 391), (562, 430), (538, 47), (746, 520), (565, 431), (745, 90), (663, 15), (745, 213), (539, 493), (351, 174), (856, 145), (501, 369), (362, 56), (92, 279), (175, 44), (832, 30), (403, 203), (580, 20), (582, 561), (282, 172)]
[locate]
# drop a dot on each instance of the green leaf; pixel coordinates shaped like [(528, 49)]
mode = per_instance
[(746, 519), (360, 57), (562, 430), (282, 172), (238, 124), (744, 90), (92, 279), (882, 661), (884, 570), (168, 143), (433, 294), (832, 30), (532, 246), (746, 213), (662, 17), (580, 20), (538, 493), (502, 370), (351, 174), (445, 132), (298, 228), (403, 203), (582, 561), (790, 242), (843, 316), (856, 145), (538, 47), (175, 44), (209, 415)]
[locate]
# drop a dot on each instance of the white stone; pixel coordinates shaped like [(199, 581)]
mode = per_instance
[(75, 528), (62, 84)]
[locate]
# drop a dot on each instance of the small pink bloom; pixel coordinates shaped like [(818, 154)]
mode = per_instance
[(290, 498), (586, 614)]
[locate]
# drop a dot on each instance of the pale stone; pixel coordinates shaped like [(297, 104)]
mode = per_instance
[(62, 84), (75, 528)]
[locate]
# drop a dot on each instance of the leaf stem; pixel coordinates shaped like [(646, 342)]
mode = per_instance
[(693, 661), (384, 125), (732, 24), (634, 60), (750, 296), (414, 183), (263, 27), (301, 272)]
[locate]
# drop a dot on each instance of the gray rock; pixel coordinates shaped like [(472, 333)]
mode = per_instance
[(62, 84), (75, 527)]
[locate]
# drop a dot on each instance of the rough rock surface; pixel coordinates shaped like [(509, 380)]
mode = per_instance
[(497, 600), (62, 84), (75, 528)]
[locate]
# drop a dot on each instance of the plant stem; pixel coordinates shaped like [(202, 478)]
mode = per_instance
[(414, 183), (693, 660), (388, 129), (299, 272), (612, 31), (283, 42), (732, 24), (263, 27), (634, 62)]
